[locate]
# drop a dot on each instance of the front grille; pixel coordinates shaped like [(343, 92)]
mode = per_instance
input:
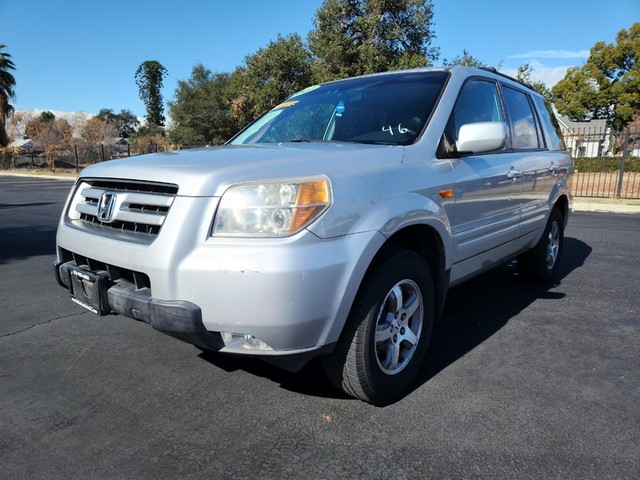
[(134, 227), (139, 208)]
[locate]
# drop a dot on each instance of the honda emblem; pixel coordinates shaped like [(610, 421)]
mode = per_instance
[(106, 205)]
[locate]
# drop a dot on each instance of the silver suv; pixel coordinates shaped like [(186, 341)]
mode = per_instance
[(333, 225)]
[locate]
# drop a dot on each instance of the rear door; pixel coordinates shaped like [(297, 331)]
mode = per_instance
[(537, 165)]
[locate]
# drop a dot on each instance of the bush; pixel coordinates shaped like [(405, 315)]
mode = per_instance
[(606, 164)]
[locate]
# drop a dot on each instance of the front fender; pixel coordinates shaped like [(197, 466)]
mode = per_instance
[(391, 214)]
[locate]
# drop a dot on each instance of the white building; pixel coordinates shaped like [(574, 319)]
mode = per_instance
[(586, 139)]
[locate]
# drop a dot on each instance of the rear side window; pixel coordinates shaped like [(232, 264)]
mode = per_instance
[(550, 125), (523, 124)]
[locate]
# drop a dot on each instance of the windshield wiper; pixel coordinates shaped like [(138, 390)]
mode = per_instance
[(300, 140)]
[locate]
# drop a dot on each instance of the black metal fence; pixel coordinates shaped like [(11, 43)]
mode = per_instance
[(607, 164), (72, 158)]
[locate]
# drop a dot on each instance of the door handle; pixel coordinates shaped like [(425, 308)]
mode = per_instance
[(513, 174)]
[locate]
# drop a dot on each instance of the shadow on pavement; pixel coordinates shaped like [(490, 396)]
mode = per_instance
[(477, 309), (474, 311), (24, 242)]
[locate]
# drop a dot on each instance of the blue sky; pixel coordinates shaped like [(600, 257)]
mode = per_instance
[(79, 55)]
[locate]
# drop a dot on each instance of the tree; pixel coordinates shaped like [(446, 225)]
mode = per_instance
[(125, 122), (354, 37), (201, 110), (149, 77), (97, 131), (524, 75), (269, 76), (49, 131), (607, 86), (7, 92), (464, 60), (17, 123)]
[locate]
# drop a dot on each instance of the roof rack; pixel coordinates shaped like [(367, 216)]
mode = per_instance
[(495, 70)]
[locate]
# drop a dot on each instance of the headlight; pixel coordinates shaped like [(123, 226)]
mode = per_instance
[(271, 209)]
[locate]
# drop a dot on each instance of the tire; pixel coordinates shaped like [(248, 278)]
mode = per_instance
[(384, 340), (541, 263)]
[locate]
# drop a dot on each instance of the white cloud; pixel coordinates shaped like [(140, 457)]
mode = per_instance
[(542, 73), (552, 54)]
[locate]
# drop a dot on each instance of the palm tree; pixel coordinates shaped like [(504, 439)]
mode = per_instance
[(7, 82)]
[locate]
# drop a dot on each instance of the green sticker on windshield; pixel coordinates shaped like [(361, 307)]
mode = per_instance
[(306, 90)]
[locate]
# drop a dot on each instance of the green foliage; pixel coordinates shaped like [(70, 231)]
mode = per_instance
[(125, 122), (606, 164), (355, 37), (269, 76), (7, 92), (146, 131), (464, 60), (149, 77), (607, 86), (47, 116), (201, 110)]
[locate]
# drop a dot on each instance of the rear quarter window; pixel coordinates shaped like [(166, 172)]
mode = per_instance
[(550, 125)]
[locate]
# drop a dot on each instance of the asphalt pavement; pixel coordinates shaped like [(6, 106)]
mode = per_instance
[(520, 382)]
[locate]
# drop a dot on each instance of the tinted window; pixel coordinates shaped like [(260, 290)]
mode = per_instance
[(386, 109), (523, 123), (551, 126), (478, 102)]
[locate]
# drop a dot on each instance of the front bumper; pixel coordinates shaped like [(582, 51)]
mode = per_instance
[(179, 319)]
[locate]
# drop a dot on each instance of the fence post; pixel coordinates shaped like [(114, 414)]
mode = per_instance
[(75, 148), (33, 165), (102, 151), (622, 162)]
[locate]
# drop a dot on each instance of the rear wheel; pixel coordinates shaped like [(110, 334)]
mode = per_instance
[(388, 330), (541, 263)]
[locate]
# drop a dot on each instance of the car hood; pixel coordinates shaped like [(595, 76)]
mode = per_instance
[(210, 171)]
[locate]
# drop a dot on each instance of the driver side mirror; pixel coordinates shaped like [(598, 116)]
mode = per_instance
[(481, 137)]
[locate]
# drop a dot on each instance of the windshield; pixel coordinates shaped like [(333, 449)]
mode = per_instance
[(387, 109)]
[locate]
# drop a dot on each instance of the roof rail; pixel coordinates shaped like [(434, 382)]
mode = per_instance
[(495, 70)]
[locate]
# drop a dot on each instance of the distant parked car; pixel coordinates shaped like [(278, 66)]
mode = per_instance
[(333, 225)]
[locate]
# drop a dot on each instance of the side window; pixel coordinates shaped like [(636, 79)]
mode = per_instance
[(479, 101), (524, 130), (551, 126)]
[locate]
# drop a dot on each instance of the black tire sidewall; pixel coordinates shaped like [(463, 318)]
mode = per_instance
[(544, 273), (400, 266), (533, 264)]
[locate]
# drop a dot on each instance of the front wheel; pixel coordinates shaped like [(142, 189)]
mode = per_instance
[(541, 263), (388, 330)]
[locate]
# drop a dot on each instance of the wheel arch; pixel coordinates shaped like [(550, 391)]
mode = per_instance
[(426, 242), (562, 204)]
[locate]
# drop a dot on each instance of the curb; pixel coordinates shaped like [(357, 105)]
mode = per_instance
[(605, 207)]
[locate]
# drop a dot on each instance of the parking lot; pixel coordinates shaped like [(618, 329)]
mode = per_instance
[(520, 382)]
